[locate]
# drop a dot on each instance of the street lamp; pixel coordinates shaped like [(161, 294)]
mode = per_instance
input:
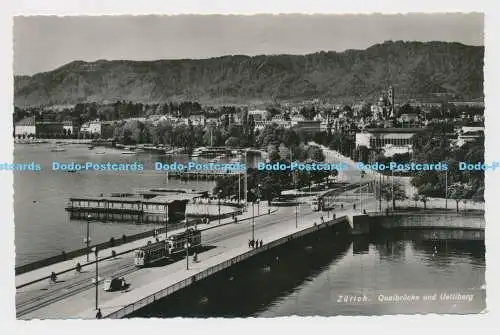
[(87, 240), (258, 199), (253, 222), (96, 277), (187, 246), (166, 220), (297, 213), (219, 193)]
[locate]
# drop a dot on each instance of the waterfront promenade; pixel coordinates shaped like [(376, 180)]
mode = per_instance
[(69, 265)]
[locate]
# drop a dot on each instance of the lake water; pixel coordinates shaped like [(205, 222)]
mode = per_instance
[(43, 227)]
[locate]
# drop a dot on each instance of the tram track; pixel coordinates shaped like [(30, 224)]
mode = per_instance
[(62, 292)]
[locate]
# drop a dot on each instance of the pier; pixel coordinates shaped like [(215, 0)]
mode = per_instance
[(145, 205), (202, 175)]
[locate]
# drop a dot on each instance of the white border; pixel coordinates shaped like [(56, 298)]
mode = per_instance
[(302, 325)]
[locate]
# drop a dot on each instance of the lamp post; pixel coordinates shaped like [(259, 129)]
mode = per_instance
[(258, 199), (87, 240), (253, 222), (218, 193), (446, 190), (297, 214), (96, 277), (166, 220), (187, 245)]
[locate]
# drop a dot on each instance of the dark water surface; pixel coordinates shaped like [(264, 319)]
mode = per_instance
[(329, 277)]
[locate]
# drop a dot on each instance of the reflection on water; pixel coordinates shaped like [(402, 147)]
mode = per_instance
[(337, 277), (396, 265)]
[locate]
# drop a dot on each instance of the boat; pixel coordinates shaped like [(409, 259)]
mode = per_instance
[(100, 152), (198, 151), (128, 153), (57, 149), (91, 147)]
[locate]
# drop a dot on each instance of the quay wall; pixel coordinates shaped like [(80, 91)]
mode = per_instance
[(339, 225), (439, 220)]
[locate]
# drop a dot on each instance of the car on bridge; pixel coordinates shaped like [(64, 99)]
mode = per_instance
[(115, 284)]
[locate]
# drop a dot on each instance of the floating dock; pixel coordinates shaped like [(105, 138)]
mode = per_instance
[(145, 205)]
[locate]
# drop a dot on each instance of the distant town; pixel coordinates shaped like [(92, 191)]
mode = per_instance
[(368, 131)]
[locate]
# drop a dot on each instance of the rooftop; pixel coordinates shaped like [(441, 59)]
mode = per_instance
[(393, 130)]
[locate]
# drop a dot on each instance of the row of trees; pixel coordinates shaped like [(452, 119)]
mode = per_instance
[(434, 146)]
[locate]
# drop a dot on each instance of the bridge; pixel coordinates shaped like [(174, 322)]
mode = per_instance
[(74, 294)]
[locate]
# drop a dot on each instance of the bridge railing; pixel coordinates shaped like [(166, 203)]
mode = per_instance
[(135, 306)]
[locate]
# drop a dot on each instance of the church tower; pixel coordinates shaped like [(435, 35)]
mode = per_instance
[(390, 97)]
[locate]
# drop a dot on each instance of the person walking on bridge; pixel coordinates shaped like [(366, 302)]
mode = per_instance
[(98, 314)]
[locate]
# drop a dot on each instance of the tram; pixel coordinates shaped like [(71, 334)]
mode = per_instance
[(315, 204), (177, 243), (150, 253)]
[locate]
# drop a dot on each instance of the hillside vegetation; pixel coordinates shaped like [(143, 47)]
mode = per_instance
[(415, 69)]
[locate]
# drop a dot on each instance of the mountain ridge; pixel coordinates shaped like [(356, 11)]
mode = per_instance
[(413, 68)]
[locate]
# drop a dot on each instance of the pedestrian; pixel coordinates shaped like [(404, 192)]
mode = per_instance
[(261, 243), (341, 206), (249, 243), (98, 314)]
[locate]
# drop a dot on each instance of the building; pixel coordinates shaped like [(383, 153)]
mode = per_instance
[(68, 127), (49, 129), (197, 120), (308, 126), (25, 127), (469, 134), (389, 140), (108, 129), (92, 127), (260, 125), (377, 112), (260, 115), (409, 118)]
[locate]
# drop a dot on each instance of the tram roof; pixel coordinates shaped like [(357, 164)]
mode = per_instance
[(155, 245)]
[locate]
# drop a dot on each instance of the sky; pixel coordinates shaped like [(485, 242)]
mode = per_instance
[(43, 43)]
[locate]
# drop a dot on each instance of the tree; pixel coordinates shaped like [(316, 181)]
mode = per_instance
[(315, 153), (396, 192), (459, 192), (424, 199), (232, 142)]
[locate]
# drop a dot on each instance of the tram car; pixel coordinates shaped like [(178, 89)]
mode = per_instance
[(176, 243), (150, 253), (315, 204)]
